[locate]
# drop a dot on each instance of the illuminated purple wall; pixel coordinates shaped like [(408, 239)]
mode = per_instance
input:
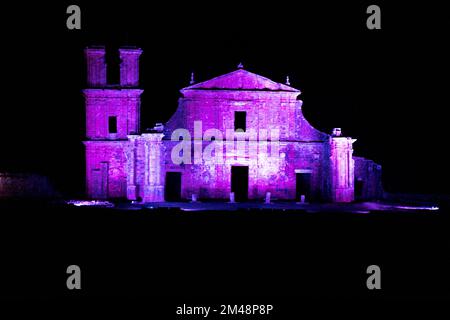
[(106, 174), (269, 105), (131, 164), (368, 176)]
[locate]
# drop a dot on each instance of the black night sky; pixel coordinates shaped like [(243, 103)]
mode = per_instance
[(387, 88)]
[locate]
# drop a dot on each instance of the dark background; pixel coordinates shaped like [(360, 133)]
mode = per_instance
[(384, 87), (387, 88)]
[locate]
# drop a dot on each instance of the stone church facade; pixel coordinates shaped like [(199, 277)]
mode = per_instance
[(239, 107)]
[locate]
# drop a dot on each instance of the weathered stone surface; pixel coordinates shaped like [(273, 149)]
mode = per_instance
[(132, 164), (96, 66), (368, 175), (23, 185)]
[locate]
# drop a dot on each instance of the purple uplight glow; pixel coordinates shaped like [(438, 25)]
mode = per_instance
[(92, 203), (238, 113)]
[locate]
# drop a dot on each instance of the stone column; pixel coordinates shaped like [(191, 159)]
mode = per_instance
[(130, 155), (153, 187), (96, 66), (129, 66), (342, 169)]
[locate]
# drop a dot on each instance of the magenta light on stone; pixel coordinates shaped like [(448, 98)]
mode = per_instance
[(124, 162)]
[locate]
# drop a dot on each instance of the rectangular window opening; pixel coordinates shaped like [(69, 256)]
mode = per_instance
[(240, 120), (112, 124)]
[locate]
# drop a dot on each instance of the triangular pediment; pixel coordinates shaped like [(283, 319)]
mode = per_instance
[(241, 80)]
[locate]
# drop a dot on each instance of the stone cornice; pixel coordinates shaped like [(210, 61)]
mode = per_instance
[(112, 93), (99, 142)]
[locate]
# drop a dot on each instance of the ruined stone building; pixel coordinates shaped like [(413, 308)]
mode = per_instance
[(124, 162)]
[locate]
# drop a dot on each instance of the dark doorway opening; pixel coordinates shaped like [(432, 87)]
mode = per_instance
[(303, 186), (239, 183), (172, 190), (359, 185)]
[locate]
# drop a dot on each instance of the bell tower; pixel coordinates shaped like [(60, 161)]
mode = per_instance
[(112, 113)]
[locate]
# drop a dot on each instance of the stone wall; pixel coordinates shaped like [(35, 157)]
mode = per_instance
[(124, 104), (368, 183), (301, 147), (21, 185), (106, 175)]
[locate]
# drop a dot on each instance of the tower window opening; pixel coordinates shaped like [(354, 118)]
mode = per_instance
[(113, 67), (112, 124)]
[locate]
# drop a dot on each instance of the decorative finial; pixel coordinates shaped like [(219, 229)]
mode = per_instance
[(192, 79), (337, 132), (240, 65), (287, 81)]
